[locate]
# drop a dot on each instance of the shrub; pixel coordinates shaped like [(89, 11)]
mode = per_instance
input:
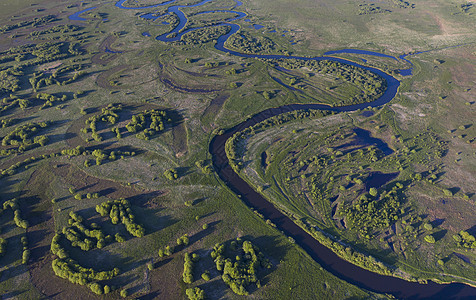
[(171, 174), (206, 276), (373, 192), (195, 294), (96, 288), (428, 226), (447, 192), (430, 239), (187, 275), (119, 238), (25, 256)]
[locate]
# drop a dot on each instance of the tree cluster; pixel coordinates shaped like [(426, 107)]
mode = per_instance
[(75, 273), (465, 240), (50, 100), (81, 236), (109, 115), (189, 260), (369, 212), (167, 251), (119, 211), (204, 166), (195, 293), (234, 146), (14, 101), (13, 204), (33, 23), (9, 80), (7, 122), (367, 9), (62, 28), (148, 123), (183, 240), (22, 135), (203, 35), (171, 174), (86, 238), (11, 170), (241, 272), (245, 42), (371, 85)]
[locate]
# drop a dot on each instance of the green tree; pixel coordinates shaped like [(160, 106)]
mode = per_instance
[(195, 293), (206, 276), (428, 226), (124, 293), (373, 192), (430, 239)]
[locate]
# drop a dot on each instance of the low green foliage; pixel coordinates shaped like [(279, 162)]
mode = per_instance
[(148, 123), (240, 273), (120, 211), (171, 174), (195, 293)]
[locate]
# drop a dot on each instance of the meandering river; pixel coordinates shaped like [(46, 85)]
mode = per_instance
[(329, 260)]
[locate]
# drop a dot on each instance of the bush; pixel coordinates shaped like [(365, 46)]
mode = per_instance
[(183, 240), (428, 226), (3, 246), (373, 192), (25, 256), (171, 174), (187, 275), (430, 239), (119, 238), (195, 294), (96, 288), (447, 192), (206, 276)]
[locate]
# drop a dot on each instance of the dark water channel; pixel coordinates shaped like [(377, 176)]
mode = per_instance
[(329, 260)]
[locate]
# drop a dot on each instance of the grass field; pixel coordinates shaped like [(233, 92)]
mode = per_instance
[(66, 72)]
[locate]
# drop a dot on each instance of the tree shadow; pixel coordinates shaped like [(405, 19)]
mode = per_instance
[(455, 189), (150, 296), (472, 230), (162, 262), (183, 171), (142, 199), (199, 200), (38, 251), (11, 273), (203, 233), (86, 187), (27, 207), (56, 138), (440, 234), (13, 294), (437, 222)]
